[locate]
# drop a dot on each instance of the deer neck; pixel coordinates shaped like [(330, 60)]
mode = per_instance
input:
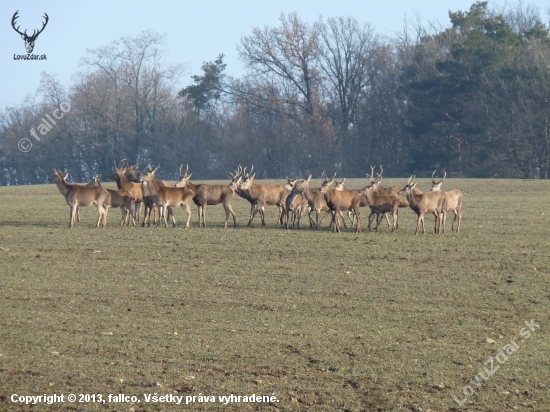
[(308, 193), (191, 186), (153, 186), (64, 187)]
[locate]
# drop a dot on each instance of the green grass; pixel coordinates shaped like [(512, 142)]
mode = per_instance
[(359, 322)]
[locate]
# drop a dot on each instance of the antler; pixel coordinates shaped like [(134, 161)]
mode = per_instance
[(409, 181), (433, 181), (121, 163), (180, 171), (15, 16), (444, 177), (35, 35)]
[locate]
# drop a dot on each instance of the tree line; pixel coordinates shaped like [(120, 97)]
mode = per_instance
[(470, 98)]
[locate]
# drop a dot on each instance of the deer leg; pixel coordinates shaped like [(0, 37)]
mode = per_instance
[(418, 223), (358, 216), (71, 207), (340, 214), (204, 216), (138, 211), (458, 214), (327, 212), (351, 218), (189, 211), (230, 207)]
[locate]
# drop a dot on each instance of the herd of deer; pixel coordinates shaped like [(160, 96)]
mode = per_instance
[(294, 199)]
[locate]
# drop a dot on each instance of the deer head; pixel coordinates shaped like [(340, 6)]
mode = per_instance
[(436, 186), (29, 40), (326, 183)]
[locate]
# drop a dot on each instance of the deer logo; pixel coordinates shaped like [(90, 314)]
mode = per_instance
[(29, 40)]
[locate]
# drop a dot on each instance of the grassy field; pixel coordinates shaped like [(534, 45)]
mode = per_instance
[(321, 321)]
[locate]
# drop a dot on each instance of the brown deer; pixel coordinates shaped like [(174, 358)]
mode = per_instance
[(166, 197), (381, 205), (130, 172), (76, 196), (235, 183), (208, 195), (339, 186), (338, 201), (436, 186), (264, 195), (295, 203), (133, 188), (450, 202), (118, 199), (422, 204), (316, 201)]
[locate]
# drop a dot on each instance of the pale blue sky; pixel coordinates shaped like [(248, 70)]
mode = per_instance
[(197, 30)]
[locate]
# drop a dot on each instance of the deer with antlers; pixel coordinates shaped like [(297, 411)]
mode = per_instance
[(208, 195), (166, 197), (118, 199), (133, 188), (422, 204), (77, 196), (29, 40), (338, 201), (316, 202), (263, 195), (450, 202), (381, 205)]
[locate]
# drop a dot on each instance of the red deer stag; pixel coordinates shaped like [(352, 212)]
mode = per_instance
[(263, 195), (338, 201), (133, 188), (316, 201), (422, 204), (76, 196), (118, 199), (166, 197), (381, 205), (208, 195)]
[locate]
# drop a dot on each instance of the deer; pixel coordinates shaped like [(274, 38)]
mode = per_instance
[(130, 174), (236, 180), (338, 201), (381, 205), (133, 188), (29, 40), (165, 197), (436, 186), (208, 195), (450, 202), (66, 178), (295, 203), (118, 199), (422, 204), (316, 201), (263, 195), (76, 196), (362, 199)]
